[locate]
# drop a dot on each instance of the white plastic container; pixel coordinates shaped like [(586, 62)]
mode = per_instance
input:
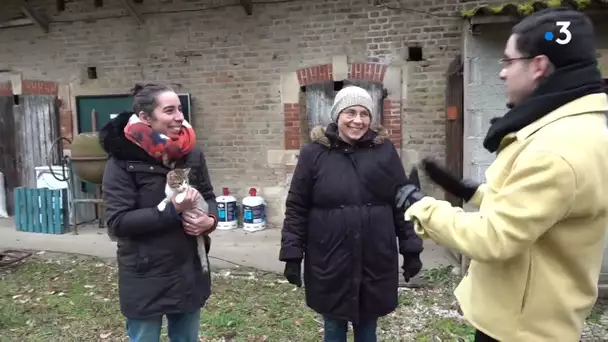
[(254, 212), (226, 211), (45, 179)]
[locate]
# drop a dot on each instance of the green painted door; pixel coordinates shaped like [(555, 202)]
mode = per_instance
[(105, 106)]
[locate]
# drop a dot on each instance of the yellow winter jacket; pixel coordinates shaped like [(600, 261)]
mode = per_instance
[(536, 242)]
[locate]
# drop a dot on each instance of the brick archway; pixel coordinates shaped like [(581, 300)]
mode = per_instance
[(391, 80)]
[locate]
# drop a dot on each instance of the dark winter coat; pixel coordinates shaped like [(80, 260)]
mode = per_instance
[(159, 270), (341, 216)]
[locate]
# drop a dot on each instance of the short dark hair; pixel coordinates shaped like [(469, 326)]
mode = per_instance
[(144, 96), (531, 41)]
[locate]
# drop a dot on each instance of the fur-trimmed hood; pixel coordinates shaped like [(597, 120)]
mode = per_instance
[(326, 135), (113, 141)]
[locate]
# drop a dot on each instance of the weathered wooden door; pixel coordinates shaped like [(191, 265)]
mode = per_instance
[(319, 99), (8, 155), (454, 135), (37, 119), (454, 123)]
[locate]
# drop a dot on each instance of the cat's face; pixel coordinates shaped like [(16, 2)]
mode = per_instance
[(177, 179)]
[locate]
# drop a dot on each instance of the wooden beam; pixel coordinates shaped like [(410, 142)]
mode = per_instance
[(38, 18), (248, 6), (511, 19), (494, 19), (16, 23), (133, 11)]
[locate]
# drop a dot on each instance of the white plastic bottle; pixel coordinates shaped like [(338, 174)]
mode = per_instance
[(226, 211), (254, 212)]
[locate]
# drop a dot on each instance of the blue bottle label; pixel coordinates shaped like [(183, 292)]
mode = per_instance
[(254, 214), (226, 212)]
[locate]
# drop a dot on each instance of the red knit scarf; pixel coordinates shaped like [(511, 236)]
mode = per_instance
[(160, 146)]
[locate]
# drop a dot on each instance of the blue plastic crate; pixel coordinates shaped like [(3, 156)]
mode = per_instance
[(41, 210)]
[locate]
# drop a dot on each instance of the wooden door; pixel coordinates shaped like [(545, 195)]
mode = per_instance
[(454, 123), (37, 119), (454, 135), (8, 155)]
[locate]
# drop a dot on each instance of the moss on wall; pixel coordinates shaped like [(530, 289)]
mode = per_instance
[(524, 9)]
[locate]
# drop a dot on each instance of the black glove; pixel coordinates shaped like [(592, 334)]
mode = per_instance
[(408, 195), (464, 189), (411, 266), (293, 272)]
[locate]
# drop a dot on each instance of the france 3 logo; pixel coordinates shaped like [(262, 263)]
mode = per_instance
[(564, 37)]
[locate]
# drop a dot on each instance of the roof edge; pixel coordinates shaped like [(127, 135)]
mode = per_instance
[(527, 8)]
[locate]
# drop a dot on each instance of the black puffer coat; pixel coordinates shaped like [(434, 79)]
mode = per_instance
[(159, 270), (341, 216)]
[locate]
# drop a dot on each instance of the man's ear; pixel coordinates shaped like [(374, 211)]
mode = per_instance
[(542, 67)]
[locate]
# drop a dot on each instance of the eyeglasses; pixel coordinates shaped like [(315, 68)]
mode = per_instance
[(350, 115), (509, 61)]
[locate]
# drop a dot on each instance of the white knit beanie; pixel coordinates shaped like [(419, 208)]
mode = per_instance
[(348, 97)]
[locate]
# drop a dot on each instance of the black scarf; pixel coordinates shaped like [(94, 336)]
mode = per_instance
[(564, 85)]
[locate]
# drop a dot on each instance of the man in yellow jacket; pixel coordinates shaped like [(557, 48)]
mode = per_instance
[(536, 242)]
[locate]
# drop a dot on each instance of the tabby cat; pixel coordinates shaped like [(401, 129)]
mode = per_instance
[(177, 184)]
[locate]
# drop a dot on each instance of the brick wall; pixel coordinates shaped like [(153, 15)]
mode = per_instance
[(234, 65)]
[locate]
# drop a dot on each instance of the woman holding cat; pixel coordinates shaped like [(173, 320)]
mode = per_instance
[(159, 270)]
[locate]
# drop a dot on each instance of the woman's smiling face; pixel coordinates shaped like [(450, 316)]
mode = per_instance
[(353, 123), (167, 117)]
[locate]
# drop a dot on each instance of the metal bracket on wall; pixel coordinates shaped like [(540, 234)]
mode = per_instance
[(452, 113)]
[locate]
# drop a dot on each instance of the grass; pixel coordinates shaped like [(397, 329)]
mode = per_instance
[(70, 298)]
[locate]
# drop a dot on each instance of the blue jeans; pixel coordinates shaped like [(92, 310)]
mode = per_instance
[(181, 328), (335, 330)]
